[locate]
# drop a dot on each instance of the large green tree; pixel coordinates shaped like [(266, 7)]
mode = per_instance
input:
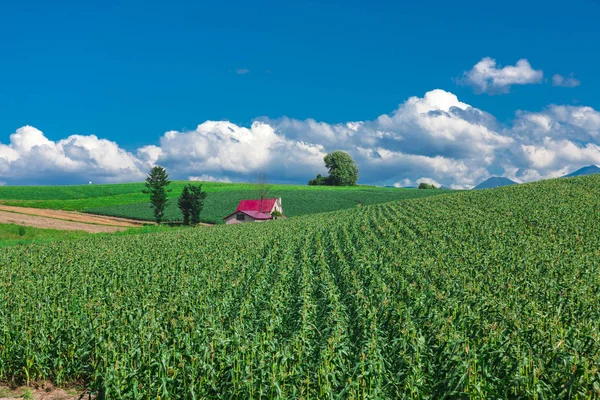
[(197, 197), (342, 169), (425, 185), (156, 186), (191, 203), (184, 202)]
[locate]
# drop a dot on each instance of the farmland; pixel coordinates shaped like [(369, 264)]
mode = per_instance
[(11, 234), (127, 200), (488, 294), (295, 202)]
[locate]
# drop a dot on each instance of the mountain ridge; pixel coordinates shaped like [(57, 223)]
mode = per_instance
[(587, 170), (494, 182)]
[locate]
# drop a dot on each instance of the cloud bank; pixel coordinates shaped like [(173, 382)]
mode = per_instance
[(434, 138)]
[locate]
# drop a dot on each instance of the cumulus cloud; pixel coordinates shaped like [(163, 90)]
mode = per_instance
[(30, 157), (223, 148), (569, 81), (553, 142), (435, 138), (486, 77)]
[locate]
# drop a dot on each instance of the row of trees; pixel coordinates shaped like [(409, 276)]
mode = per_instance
[(424, 185), (191, 201)]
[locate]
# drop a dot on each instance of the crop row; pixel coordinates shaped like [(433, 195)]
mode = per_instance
[(295, 202), (490, 294)]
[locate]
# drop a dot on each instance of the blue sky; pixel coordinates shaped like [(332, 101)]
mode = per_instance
[(130, 72)]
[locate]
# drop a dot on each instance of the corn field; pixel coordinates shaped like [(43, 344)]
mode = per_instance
[(488, 294)]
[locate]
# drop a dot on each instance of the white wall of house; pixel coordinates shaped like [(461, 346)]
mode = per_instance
[(277, 206), (234, 219)]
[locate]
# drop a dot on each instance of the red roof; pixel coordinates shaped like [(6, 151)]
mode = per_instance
[(254, 205), (252, 208)]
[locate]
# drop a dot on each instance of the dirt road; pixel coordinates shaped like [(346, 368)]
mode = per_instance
[(64, 220), (47, 392), (51, 223)]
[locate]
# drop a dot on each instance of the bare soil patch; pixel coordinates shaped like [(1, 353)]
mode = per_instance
[(51, 223), (73, 216), (45, 392)]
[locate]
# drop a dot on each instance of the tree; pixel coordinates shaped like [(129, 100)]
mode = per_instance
[(262, 187), (424, 185), (191, 203), (184, 202), (197, 197), (342, 169), (318, 181), (156, 185), (276, 214)]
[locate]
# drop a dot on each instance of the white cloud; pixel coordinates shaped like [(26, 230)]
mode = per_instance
[(486, 77), (30, 157), (435, 137), (554, 158), (554, 142), (221, 147), (242, 71), (569, 81), (208, 178)]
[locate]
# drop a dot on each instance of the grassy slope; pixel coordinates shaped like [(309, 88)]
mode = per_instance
[(12, 234), (295, 202), (127, 200), (487, 294)]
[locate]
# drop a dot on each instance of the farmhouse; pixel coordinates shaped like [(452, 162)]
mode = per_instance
[(254, 211)]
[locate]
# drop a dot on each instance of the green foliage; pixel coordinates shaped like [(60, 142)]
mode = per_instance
[(82, 197), (11, 234), (27, 394), (424, 185), (191, 203), (198, 197), (156, 186), (342, 169), (184, 202), (276, 214), (296, 202), (318, 181), (487, 294)]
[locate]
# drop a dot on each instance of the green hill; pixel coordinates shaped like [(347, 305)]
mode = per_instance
[(478, 294), (127, 200)]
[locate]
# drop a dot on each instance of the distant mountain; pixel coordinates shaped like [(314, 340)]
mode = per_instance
[(590, 169), (494, 182)]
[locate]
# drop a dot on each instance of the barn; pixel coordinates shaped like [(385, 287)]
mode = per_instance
[(254, 211)]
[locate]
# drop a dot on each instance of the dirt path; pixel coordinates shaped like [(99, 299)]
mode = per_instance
[(48, 392), (73, 216), (52, 223)]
